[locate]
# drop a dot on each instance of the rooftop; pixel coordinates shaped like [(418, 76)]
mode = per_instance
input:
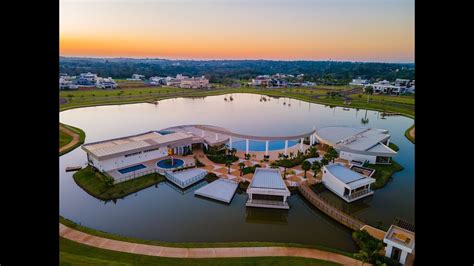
[(355, 138), (221, 189), (134, 143), (401, 237), (267, 178), (347, 176)]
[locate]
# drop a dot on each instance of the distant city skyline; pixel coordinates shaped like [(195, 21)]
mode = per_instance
[(315, 30)]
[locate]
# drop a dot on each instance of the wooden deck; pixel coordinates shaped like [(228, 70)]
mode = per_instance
[(331, 211)]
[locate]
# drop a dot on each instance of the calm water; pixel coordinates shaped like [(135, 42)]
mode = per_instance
[(164, 213)]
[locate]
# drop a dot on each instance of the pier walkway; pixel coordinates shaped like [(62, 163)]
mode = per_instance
[(328, 209)]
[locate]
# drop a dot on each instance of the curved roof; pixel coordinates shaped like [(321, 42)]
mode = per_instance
[(356, 139)]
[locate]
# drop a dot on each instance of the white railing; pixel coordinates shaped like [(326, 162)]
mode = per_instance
[(186, 183), (358, 193), (134, 175), (158, 170)]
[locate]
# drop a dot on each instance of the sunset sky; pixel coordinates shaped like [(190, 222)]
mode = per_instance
[(354, 30)]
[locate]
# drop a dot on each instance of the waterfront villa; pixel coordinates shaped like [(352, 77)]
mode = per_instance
[(358, 143), (400, 243), (126, 151), (385, 87), (345, 183), (182, 81), (267, 190)]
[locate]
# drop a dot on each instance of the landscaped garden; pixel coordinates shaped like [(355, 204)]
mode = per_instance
[(221, 154), (102, 186), (383, 173), (371, 249)]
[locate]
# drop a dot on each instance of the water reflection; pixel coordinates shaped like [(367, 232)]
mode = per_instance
[(266, 216)]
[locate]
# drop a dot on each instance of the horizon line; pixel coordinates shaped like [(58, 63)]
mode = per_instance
[(226, 59)]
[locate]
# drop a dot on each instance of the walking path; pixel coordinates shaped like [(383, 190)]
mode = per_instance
[(412, 133), (173, 252), (75, 138)]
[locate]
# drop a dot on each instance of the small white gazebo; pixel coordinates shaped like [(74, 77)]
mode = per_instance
[(268, 190), (400, 242)]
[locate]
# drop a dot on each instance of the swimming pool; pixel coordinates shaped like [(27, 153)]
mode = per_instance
[(131, 168), (167, 164), (260, 145)]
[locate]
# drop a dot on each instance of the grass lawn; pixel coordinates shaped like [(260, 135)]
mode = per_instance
[(64, 139), (408, 136), (91, 231), (383, 173), (72, 253), (94, 183), (401, 104), (393, 146)]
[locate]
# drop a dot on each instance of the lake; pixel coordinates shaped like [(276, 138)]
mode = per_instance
[(165, 213)]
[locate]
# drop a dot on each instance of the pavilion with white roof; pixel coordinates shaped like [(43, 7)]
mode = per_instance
[(267, 190), (358, 143), (347, 184)]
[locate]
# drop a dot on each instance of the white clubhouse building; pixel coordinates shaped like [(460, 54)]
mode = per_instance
[(345, 183), (358, 143), (121, 152)]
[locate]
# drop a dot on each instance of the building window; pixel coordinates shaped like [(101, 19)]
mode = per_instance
[(131, 154)]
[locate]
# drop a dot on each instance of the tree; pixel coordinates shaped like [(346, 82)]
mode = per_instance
[(331, 154), (369, 91), (306, 166), (285, 163), (362, 256), (316, 167), (324, 161), (241, 167), (233, 151), (228, 163)]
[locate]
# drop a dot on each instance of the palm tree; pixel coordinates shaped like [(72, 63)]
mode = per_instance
[(228, 164), (241, 166), (324, 161), (369, 91), (285, 163), (316, 167), (306, 166)]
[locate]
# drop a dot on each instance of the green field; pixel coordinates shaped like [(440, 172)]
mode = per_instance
[(72, 253), (383, 173), (64, 138), (408, 136), (402, 104), (95, 183)]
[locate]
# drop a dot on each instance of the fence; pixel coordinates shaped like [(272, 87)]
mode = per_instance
[(135, 175), (329, 209), (150, 171), (187, 182)]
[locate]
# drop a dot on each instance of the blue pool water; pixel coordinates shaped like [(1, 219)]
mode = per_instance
[(260, 145), (165, 132), (164, 163), (131, 168)]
